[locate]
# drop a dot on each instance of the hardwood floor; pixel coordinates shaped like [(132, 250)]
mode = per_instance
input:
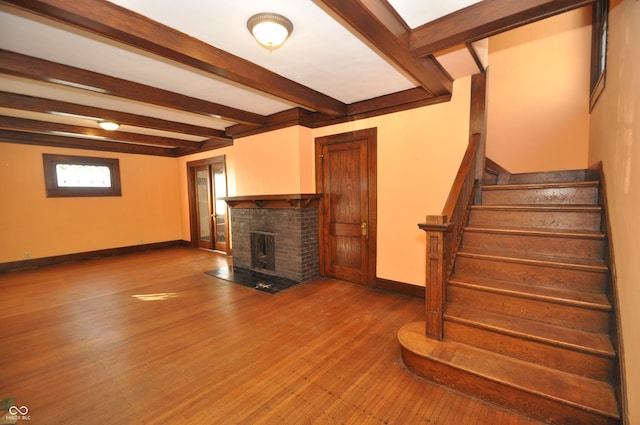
[(150, 339)]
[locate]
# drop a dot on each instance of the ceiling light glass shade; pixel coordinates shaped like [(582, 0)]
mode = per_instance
[(108, 125), (270, 29)]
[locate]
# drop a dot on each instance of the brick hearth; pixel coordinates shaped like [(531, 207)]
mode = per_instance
[(294, 226)]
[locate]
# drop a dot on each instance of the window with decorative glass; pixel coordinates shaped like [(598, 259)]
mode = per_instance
[(70, 176)]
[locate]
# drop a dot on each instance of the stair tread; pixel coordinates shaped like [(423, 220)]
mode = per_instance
[(565, 296), (589, 264), (551, 185), (590, 394), (594, 343), (539, 207), (528, 231)]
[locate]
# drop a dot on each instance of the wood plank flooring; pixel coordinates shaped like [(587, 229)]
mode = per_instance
[(150, 339)]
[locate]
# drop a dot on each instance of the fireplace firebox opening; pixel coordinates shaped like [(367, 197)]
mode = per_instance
[(263, 250)]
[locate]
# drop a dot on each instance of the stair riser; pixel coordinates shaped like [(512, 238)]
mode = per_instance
[(490, 178), (532, 404), (564, 246), (589, 365), (561, 220), (557, 314), (533, 274), (555, 196), (549, 177)]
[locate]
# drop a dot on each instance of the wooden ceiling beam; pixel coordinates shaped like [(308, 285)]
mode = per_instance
[(39, 69), (36, 126), (40, 139), (50, 106), (482, 20), (382, 27), (122, 25)]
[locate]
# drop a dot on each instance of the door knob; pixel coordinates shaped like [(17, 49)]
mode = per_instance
[(363, 227)]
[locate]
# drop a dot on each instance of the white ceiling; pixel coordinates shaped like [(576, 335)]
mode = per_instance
[(320, 54), (416, 12)]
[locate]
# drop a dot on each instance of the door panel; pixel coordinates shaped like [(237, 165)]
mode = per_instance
[(343, 175), (203, 201), (345, 212), (221, 224)]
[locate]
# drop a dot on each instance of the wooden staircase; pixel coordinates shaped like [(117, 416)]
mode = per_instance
[(527, 319)]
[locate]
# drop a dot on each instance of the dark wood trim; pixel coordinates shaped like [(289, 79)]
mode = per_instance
[(478, 120), (596, 171), (277, 121), (382, 105), (36, 126), (444, 233), (599, 36), (39, 139), (207, 145), (51, 72), (82, 256), (295, 200), (394, 102), (476, 58), (49, 106), (51, 182), (482, 20), (400, 288), (388, 33), (122, 25), (492, 165)]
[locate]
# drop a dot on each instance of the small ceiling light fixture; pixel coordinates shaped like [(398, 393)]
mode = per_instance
[(270, 29), (109, 125)]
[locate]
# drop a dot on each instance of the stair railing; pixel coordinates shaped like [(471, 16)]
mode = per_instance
[(444, 232)]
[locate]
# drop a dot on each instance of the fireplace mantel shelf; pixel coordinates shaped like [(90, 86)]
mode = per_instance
[(296, 200)]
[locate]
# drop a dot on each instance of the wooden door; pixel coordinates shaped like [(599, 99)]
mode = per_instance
[(209, 217), (220, 211), (204, 208), (346, 176)]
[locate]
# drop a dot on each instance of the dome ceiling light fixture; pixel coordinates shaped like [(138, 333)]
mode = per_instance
[(109, 125), (270, 29)]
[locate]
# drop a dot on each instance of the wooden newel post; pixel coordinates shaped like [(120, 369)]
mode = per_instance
[(437, 230)]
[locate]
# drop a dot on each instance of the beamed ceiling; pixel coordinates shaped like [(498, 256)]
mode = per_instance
[(186, 76)]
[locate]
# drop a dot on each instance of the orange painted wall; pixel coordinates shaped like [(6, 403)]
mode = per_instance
[(538, 94), (277, 162), (418, 158), (419, 152), (615, 140), (148, 210)]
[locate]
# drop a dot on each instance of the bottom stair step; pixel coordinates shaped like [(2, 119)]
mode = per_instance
[(544, 393)]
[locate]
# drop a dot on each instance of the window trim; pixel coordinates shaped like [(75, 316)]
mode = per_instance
[(599, 36), (55, 191)]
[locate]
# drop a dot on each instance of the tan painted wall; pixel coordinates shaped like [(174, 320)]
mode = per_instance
[(538, 94), (146, 212), (418, 158), (615, 140), (419, 152)]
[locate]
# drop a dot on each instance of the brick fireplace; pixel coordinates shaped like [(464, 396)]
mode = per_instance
[(282, 226)]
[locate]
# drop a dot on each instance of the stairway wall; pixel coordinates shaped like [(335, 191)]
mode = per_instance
[(538, 94), (615, 140)]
